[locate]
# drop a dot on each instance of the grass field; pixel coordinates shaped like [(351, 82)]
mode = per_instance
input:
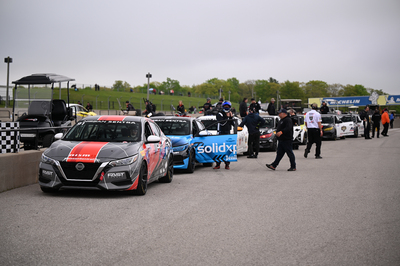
[(100, 99)]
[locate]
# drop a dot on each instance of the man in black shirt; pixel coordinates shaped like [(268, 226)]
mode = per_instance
[(324, 108), (271, 107), (243, 108), (376, 121), (253, 122), (367, 125), (254, 105), (207, 107), (284, 132)]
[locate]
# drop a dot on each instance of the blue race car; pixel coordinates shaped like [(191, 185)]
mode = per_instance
[(191, 143)]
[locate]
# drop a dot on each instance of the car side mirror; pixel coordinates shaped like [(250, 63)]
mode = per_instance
[(203, 133), (153, 139), (58, 136)]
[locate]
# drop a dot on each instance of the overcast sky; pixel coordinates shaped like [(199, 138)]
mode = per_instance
[(338, 41)]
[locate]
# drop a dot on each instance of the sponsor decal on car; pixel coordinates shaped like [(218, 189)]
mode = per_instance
[(85, 151)]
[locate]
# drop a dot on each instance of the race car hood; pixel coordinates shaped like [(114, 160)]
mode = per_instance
[(179, 140), (266, 130), (91, 151)]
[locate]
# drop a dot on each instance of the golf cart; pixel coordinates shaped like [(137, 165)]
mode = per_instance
[(45, 116)]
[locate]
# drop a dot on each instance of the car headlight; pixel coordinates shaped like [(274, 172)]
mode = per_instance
[(328, 128), (47, 160), (125, 161), (180, 148)]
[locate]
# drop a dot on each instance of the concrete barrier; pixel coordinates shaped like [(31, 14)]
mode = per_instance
[(19, 169)]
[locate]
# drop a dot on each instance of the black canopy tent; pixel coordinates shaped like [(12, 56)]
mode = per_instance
[(38, 79)]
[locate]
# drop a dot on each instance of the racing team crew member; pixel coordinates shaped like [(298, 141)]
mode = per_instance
[(253, 122), (225, 122), (367, 125), (243, 108), (271, 107), (207, 107), (314, 130), (376, 121), (324, 108), (255, 105), (284, 132)]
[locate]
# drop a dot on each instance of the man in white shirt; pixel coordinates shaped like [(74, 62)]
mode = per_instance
[(314, 131)]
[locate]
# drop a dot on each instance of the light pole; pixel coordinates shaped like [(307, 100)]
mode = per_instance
[(7, 60), (229, 95), (148, 76)]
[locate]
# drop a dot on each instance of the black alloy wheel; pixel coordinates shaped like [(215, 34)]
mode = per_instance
[(170, 171), (192, 162), (142, 182)]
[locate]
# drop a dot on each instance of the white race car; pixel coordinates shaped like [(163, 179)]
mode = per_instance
[(299, 131), (350, 125), (210, 122)]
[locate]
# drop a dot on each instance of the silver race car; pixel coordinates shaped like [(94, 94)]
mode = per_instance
[(108, 153)]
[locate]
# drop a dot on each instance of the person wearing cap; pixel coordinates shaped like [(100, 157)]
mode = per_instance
[(367, 125), (225, 122), (324, 108), (253, 122), (271, 107), (207, 107), (255, 106), (284, 133), (243, 108), (314, 131), (385, 122)]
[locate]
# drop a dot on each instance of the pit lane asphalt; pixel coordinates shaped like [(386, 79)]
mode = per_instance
[(341, 210)]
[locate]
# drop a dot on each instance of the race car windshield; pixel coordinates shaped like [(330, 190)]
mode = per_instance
[(105, 131), (327, 120), (210, 124), (346, 119), (174, 127), (269, 122)]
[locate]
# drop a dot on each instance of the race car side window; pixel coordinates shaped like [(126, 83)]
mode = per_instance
[(155, 129), (195, 129), (147, 130)]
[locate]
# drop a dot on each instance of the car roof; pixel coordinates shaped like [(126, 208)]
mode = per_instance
[(113, 118), (173, 117)]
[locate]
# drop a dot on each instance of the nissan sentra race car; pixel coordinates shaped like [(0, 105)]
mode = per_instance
[(268, 138), (331, 126), (108, 153), (192, 143)]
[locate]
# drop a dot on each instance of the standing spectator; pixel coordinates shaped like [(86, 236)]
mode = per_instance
[(180, 108), (324, 108), (255, 106), (284, 132), (385, 122), (207, 107), (271, 107), (89, 107), (367, 125), (253, 122), (376, 120), (391, 117), (225, 122), (79, 102), (314, 130), (293, 116), (243, 108)]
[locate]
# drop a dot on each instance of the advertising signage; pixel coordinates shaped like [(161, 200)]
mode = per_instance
[(373, 99)]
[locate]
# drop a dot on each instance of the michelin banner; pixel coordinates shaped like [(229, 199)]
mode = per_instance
[(219, 148), (373, 99)]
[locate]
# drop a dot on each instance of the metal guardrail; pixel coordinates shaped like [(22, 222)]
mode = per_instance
[(36, 129)]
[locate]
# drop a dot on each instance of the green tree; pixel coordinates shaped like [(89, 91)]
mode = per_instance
[(315, 89), (356, 90), (292, 90)]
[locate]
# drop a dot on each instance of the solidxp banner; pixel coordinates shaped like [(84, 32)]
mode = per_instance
[(219, 148)]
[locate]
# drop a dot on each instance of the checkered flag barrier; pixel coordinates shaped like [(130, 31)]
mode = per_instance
[(9, 139)]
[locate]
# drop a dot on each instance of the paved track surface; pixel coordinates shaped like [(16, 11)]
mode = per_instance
[(341, 210)]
